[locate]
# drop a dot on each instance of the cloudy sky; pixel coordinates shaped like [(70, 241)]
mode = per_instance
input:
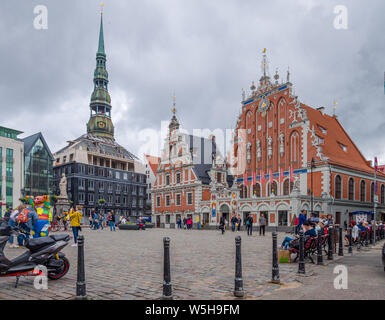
[(204, 51)]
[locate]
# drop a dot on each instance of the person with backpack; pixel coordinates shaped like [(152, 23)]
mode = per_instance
[(249, 225), (222, 224), (26, 220), (76, 218), (12, 222), (111, 221)]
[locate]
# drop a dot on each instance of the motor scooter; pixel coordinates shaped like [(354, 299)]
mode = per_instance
[(43, 251)]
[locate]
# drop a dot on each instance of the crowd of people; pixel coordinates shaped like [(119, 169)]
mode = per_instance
[(187, 223)]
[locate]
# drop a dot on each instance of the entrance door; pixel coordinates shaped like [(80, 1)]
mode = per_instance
[(245, 215), (158, 221)]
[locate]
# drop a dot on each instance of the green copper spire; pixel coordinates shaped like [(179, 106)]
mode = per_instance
[(100, 123), (101, 36)]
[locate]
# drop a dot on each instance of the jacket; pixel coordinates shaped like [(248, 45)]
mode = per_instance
[(75, 217)]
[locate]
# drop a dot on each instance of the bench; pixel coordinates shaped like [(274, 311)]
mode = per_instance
[(310, 247)]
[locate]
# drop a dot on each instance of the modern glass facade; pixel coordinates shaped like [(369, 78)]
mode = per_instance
[(38, 170), (9, 176)]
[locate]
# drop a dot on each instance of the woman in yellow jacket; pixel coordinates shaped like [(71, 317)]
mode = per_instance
[(75, 217)]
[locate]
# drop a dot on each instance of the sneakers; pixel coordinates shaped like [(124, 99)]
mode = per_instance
[(74, 245), (14, 246)]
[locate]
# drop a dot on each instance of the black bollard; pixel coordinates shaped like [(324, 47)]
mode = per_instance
[(374, 232), (367, 238), (350, 241), (81, 279), (319, 249), (330, 243), (275, 272), (340, 244), (301, 264), (359, 241), (238, 288), (167, 289)]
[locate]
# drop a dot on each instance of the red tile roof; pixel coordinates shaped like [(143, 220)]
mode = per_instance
[(153, 162), (333, 139)]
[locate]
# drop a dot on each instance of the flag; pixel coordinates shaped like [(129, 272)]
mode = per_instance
[(375, 164), (245, 179), (271, 175), (254, 178), (281, 175), (291, 174), (262, 177)]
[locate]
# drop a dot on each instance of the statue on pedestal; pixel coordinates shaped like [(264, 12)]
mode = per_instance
[(63, 186)]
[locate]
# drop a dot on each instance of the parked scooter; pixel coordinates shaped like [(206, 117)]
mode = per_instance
[(42, 251)]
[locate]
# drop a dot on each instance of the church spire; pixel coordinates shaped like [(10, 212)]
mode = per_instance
[(100, 123)]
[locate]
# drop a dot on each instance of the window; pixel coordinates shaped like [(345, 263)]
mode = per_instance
[(382, 194), (167, 180), (273, 189), (219, 177), (82, 184), (158, 201), (351, 189), (101, 186), (91, 184), (81, 197), (323, 130), (287, 187), (91, 170), (189, 198), (167, 201), (178, 177), (362, 191), (343, 147), (90, 198), (338, 187), (178, 199), (257, 190)]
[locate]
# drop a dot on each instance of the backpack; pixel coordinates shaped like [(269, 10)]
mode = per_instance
[(22, 217)]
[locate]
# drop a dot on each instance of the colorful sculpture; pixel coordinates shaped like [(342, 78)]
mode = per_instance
[(42, 206)]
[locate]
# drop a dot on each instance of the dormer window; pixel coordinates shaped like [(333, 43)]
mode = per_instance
[(323, 130), (343, 147), (319, 140)]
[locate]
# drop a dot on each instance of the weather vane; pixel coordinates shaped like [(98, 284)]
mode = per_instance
[(174, 104), (101, 7)]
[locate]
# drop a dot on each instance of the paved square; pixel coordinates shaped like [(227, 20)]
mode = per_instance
[(129, 265)]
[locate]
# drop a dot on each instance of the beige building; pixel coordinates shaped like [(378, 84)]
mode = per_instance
[(11, 168)]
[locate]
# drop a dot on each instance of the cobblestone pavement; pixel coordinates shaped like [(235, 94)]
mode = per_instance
[(128, 264)]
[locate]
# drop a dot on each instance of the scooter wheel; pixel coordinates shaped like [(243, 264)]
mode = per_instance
[(61, 272)]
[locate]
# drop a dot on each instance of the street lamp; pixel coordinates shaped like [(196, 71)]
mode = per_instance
[(311, 177)]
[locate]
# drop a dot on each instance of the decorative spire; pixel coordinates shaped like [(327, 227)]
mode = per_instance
[(265, 79), (100, 123), (276, 76), (288, 75), (174, 123)]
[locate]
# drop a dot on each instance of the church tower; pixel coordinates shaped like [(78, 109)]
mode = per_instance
[(100, 123)]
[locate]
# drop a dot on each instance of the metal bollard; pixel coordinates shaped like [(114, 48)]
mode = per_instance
[(275, 271), (167, 288), (330, 243), (350, 241), (340, 244), (238, 282), (367, 238), (301, 264), (319, 249), (81, 278), (374, 233), (359, 241)]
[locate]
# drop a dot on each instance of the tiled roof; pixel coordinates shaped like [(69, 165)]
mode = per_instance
[(153, 162), (337, 145)]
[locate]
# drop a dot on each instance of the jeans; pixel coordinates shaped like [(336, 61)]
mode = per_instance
[(261, 228), (233, 226), (75, 231), (249, 229), (100, 225), (12, 224), (112, 225), (286, 242), (21, 238)]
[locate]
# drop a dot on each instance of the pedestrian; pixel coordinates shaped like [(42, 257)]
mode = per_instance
[(184, 223), (179, 223), (76, 217), (301, 219), (101, 220), (249, 225), (189, 223), (262, 224), (111, 221), (222, 224), (95, 218), (198, 222), (12, 222), (239, 224), (233, 223)]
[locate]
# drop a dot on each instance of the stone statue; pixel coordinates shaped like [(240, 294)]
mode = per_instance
[(269, 148), (259, 154), (63, 186), (281, 144)]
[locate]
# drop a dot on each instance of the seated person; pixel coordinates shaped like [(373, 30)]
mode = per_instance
[(294, 242)]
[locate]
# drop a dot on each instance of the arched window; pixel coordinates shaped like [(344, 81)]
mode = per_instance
[(351, 189), (243, 192), (287, 187), (362, 191), (257, 190), (372, 192), (337, 192), (273, 189), (382, 194), (294, 147)]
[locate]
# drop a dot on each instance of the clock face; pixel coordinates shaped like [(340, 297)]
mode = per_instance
[(263, 105), (101, 124)]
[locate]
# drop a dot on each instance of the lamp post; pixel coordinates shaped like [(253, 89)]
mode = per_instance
[(311, 177)]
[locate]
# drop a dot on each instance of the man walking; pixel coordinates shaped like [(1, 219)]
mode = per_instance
[(233, 223), (249, 225), (262, 224), (111, 220)]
